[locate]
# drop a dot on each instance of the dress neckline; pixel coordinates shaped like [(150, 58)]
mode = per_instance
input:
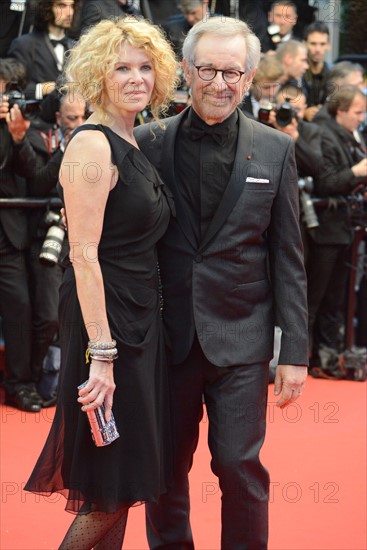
[(85, 127)]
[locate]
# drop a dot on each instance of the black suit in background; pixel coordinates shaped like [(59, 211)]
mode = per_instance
[(309, 163), (13, 23), (327, 267), (15, 306), (224, 288), (95, 11), (37, 54), (41, 169), (308, 151), (316, 85)]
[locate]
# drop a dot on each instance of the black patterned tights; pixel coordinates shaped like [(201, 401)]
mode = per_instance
[(97, 530)]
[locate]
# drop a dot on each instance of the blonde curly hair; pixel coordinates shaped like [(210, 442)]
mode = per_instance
[(93, 58)]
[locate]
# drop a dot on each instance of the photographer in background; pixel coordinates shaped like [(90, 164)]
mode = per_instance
[(288, 118), (282, 18), (15, 305), (178, 25), (45, 278), (316, 76), (293, 57), (344, 73), (344, 173), (266, 83), (94, 11), (286, 115)]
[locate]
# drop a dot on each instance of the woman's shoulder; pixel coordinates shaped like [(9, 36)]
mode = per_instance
[(89, 137), (88, 147)]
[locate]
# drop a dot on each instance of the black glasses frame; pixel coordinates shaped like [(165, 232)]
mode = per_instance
[(223, 71)]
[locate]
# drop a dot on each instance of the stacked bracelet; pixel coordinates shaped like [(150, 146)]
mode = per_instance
[(102, 351), (102, 345)]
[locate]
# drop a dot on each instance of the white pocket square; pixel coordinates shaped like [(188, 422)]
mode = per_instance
[(256, 180)]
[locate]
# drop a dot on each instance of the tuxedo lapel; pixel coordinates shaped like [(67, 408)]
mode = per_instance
[(168, 176), (236, 182), (50, 48)]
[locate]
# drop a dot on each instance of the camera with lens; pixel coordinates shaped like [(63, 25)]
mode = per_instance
[(52, 245), (264, 112), (309, 216), (274, 33), (17, 97), (284, 113)]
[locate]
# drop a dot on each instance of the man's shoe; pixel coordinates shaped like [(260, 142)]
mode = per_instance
[(49, 402), (34, 394), (37, 397), (23, 401)]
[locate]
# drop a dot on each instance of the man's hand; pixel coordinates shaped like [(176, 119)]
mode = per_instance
[(289, 382), (17, 125), (291, 129), (360, 169), (64, 220), (4, 106), (311, 112), (48, 87)]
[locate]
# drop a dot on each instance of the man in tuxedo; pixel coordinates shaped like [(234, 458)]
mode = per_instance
[(231, 267), (15, 304), (282, 18), (15, 20), (41, 155), (344, 173), (43, 50)]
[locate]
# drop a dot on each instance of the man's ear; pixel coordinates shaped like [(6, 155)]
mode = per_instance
[(187, 71), (57, 117), (248, 80), (287, 59)]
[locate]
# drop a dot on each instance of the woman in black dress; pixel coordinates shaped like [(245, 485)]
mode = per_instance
[(117, 209)]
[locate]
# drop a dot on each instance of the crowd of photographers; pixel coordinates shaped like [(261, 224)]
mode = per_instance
[(321, 107)]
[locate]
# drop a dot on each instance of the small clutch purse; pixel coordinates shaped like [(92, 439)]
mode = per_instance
[(103, 432)]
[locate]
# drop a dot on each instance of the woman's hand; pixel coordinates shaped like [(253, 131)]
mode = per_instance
[(99, 389)]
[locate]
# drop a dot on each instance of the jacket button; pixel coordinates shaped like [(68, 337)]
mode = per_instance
[(198, 258)]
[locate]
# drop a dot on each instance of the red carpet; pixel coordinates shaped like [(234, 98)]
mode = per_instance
[(315, 451)]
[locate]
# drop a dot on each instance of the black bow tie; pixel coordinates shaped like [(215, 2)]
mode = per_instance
[(62, 41), (218, 133)]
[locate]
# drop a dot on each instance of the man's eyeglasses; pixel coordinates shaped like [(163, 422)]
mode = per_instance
[(231, 76)]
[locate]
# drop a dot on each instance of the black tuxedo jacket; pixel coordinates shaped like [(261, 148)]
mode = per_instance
[(35, 51), (247, 273), (336, 179), (95, 11), (308, 149), (13, 221), (41, 172)]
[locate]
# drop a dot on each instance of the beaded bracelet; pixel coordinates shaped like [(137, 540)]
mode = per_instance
[(103, 352), (102, 345)]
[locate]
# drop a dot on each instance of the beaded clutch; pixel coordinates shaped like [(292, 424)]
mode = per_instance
[(103, 432)]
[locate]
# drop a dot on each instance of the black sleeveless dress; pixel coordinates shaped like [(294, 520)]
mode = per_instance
[(137, 466)]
